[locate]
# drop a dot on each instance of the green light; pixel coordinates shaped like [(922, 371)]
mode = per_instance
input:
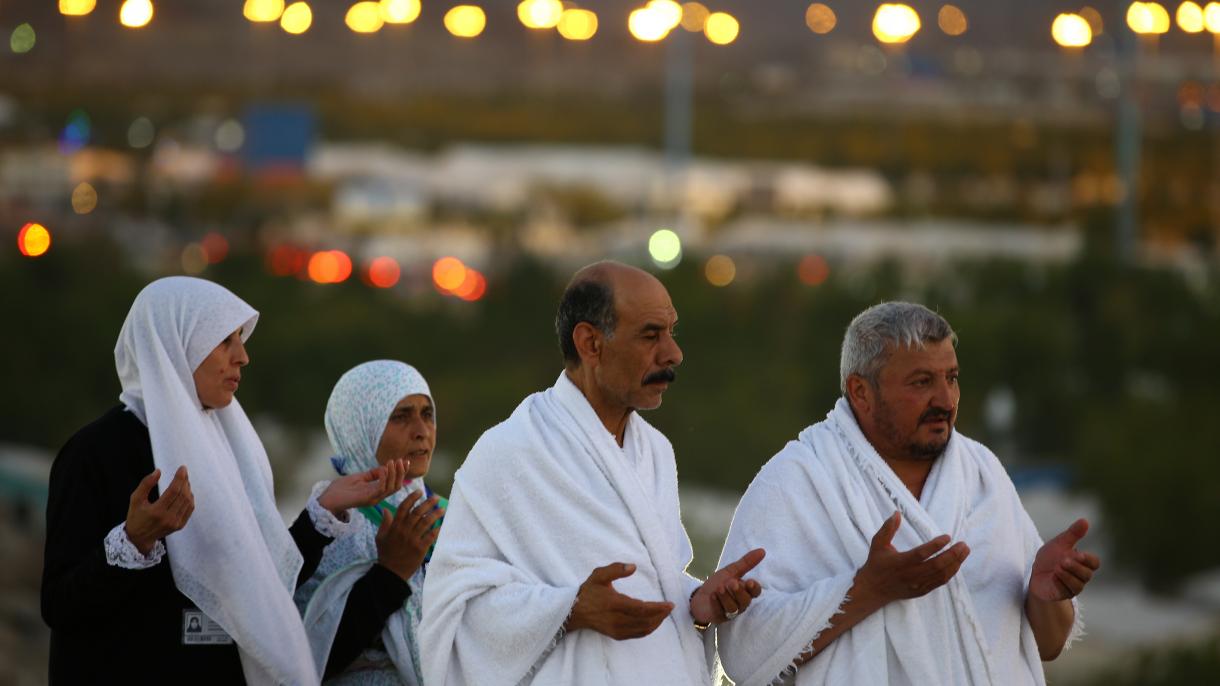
[(22, 40)]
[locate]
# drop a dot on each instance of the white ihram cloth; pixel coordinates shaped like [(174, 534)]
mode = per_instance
[(234, 558), (543, 499), (815, 507)]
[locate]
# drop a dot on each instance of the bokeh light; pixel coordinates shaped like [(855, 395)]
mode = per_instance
[(466, 21), (665, 248), (383, 272), (136, 14), (813, 270), (194, 259), (1148, 18), (263, 10), (33, 240), (473, 286), (668, 12), (578, 24), (230, 136), (448, 273), (1071, 31), (1211, 17), (329, 266), (820, 18), (1096, 24), (540, 14), (345, 265), (364, 17), (84, 198), (952, 20), (141, 133), (694, 16), (76, 133), (895, 23), (721, 28), (287, 260), (297, 18), (76, 8), (720, 270), (22, 39), (645, 25), (1190, 17), (215, 247), (400, 11)]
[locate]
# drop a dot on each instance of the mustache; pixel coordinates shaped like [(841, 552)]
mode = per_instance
[(934, 414), (667, 375)]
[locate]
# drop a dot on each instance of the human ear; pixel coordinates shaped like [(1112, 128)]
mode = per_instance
[(588, 341), (859, 394)]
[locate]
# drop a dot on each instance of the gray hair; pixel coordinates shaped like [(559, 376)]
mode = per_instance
[(874, 333)]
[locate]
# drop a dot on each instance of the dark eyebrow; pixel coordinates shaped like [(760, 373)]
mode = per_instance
[(930, 372)]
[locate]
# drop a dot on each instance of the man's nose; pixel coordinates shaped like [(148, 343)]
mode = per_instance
[(672, 354), (944, 397)]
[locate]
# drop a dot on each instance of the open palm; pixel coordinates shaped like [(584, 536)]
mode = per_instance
[(1060, 571), (365, 488)]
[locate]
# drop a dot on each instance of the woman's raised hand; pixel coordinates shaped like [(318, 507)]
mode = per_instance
[(403, 539), (365, 488)]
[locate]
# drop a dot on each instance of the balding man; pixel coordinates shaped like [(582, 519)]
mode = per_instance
[(563, 539), (898, 550)]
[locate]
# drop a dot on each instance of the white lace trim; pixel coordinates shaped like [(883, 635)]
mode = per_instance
[(121, 552), (323, 519)]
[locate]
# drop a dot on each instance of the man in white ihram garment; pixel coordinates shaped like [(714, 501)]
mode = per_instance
[(562, 559), (898, 551)]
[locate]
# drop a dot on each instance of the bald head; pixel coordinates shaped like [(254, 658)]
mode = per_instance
[(594, 295)]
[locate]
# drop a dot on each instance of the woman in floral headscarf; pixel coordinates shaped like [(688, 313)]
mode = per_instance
[(362, 606)]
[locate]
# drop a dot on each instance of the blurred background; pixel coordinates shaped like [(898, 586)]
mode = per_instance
[(417, 180)]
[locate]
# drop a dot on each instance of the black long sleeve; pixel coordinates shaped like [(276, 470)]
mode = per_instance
[(90, 486), (310, 542), (373, 599), (113, 625)]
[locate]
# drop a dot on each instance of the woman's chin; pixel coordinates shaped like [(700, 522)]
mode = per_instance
[(419, 467)]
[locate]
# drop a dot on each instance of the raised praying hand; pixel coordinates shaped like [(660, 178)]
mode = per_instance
[(148, 522), (726, 594), (889, 575), (1060, 571), (365, 488), (404, 537)]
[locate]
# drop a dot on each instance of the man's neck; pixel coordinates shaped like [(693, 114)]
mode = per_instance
[(612, 416), (912, 473)]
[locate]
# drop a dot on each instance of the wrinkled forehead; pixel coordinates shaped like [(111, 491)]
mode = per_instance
[(639, 297)]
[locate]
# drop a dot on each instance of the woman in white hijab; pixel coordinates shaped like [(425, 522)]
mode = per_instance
[(196, 585), (362, 606)]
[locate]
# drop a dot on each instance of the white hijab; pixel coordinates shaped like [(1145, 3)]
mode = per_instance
[(235, 558)]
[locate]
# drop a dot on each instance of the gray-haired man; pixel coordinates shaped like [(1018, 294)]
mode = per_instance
[(898, 551)]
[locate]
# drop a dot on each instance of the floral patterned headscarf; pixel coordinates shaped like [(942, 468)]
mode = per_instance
[(360, 405)]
